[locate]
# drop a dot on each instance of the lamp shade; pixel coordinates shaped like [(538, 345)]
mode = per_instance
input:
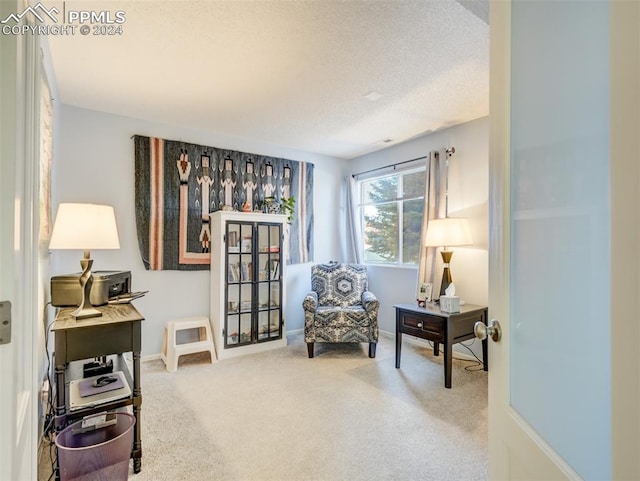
[(448, 232), (84, 227)]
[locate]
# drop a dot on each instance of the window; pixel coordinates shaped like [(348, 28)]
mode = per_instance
[(391, 209)]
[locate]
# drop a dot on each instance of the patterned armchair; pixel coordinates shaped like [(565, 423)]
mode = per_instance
[(340, 308)]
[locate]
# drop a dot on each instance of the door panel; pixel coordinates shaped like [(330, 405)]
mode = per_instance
[(549, 384), (19, 126)]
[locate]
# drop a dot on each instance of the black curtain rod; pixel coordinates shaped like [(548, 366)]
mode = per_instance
[(389, 166)]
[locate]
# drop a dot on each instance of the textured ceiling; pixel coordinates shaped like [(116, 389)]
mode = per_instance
[(290, 73)]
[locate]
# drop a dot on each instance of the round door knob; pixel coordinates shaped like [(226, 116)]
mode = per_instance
[(493, 330), (419, 324)]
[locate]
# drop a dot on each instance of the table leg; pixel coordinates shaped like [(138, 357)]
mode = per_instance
[(398, 340), (60, 408), (137, 401), (447, 364), (485, 355), (485, 346), (436, 348)]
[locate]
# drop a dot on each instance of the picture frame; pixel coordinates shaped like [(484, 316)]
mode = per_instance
[(423, 296)]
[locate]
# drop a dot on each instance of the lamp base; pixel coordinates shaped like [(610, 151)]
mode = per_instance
[(446, 273), (85, 309)]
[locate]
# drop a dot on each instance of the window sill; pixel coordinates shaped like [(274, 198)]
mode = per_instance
[(392, 266)]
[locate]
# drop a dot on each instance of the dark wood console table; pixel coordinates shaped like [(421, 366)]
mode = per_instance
[(116, 332), (440, 327)]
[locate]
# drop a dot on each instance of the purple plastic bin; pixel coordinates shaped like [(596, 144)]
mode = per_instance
[(97, 455)]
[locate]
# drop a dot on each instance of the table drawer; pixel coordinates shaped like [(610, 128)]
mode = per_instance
[(422, 325)]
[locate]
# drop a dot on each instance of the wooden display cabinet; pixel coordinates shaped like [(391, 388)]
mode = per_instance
[(248, 259)]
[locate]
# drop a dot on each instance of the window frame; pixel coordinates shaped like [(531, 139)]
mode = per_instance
[(399, 202)]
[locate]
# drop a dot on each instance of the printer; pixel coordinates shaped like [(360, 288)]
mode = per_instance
[(66, 291)]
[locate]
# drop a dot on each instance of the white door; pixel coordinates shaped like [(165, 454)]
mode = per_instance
[(18, 253), (563, 263)]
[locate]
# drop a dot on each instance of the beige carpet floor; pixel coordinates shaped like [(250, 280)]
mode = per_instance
[(340, 416)]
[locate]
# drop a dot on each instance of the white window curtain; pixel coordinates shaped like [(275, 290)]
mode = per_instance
[(435, 206), (46, 160), (354, 252)]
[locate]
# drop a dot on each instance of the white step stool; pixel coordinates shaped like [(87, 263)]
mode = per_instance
[(171, 351)]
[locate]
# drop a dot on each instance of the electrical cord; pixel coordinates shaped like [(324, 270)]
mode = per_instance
[(477, 363), (48, 430), (49, 415), (53, 455)]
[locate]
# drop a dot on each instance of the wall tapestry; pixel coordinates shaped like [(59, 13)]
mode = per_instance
[(177, 184)]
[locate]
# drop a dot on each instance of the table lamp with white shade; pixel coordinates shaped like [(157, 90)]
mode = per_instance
[(85, 227), (447, 232)]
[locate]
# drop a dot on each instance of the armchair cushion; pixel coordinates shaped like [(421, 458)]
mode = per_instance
[(341, 316), (339, 284), (342, 325)]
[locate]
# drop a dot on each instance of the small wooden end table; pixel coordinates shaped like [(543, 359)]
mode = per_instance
[(440, 327)]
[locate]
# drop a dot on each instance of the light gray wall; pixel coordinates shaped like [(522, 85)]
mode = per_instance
[(95, 163), (468, 197)]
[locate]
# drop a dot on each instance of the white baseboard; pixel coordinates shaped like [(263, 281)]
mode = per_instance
[(156, 356), (391, 335)]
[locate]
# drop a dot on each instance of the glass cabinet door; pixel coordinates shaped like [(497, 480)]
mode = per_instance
[(239, 293), (253, 310), (269, 282)]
